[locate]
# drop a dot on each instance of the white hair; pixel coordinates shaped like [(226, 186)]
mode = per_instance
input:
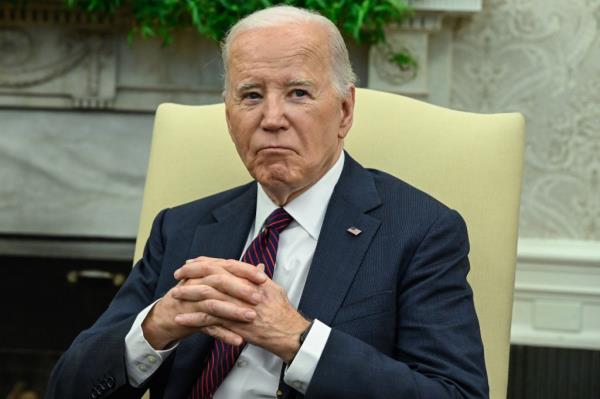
[(341, 70)]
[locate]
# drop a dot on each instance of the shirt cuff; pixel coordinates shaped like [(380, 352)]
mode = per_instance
[(141, 359), (300, 372)]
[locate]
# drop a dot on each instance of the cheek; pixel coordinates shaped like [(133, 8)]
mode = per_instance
[(241, 133), (320, 141)]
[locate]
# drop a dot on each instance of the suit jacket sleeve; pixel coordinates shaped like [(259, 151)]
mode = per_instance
[(437, 352), (94, 365)]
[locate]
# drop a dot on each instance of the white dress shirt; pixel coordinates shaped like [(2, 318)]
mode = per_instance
[(256, 372)]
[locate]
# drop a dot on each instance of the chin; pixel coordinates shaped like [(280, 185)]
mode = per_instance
[(276, 176), (273, 179)]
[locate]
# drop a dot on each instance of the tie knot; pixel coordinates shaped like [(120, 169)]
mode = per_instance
[(278, 220)]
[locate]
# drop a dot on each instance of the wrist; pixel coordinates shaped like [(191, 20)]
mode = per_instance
[(304, 333), (155, 331), (298, 339)]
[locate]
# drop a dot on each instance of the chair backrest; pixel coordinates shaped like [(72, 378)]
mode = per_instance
[(471, 162)]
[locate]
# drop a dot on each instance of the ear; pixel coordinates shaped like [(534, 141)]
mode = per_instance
[(347, 112), (227, 117)]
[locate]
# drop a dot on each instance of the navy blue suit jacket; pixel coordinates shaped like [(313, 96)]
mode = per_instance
[(396, 297)]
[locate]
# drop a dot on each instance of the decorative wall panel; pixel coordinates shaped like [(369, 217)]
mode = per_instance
[(52, 57), (541, 58), (427, 37)]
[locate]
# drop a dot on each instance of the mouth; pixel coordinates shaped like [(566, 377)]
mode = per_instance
[(275, 149)]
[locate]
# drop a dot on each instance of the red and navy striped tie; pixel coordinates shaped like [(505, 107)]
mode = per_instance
[(222, 356)]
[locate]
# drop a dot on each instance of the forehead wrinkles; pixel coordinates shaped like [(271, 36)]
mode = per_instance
[(277, 48), (302, 57)]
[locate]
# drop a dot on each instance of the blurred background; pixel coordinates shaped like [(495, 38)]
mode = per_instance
[(80, 81)]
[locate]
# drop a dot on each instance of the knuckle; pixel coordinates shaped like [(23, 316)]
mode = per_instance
[(210, 330), (211, 305), (219, 280), (203, 319), (247, 291), (203, 267), (204, 291), (197, 319)]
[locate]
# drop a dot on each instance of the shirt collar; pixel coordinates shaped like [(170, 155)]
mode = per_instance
[(308, 209)]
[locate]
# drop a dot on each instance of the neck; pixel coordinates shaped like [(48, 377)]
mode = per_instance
[(282, 196)]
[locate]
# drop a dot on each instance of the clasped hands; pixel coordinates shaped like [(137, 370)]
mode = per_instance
[(229, 300)]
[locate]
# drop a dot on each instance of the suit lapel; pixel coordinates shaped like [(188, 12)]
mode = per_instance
[(223, 239), (226, 238), (339, 253)]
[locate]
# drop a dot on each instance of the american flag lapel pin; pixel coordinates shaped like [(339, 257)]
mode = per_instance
[(354, 230)]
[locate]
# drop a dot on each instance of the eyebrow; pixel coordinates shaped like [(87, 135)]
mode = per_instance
[(290, 83), (247, 86), (299, 82)]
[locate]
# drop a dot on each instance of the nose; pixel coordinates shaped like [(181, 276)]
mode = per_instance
[(274, 116)]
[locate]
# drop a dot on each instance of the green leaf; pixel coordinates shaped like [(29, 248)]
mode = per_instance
[(147, 31)]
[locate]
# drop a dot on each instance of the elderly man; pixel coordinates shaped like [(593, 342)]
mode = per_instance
[(320, 279)]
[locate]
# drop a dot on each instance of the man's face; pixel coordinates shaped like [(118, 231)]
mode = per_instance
[(283, 113)]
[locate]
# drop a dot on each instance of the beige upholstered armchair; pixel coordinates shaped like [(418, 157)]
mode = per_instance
[(471, 162)]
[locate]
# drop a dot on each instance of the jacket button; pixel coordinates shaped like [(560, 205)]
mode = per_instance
[(279, 393), (110, 382)]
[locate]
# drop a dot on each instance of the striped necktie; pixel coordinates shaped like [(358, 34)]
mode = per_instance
[(222, 357)]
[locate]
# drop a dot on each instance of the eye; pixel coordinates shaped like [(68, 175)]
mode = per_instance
[(251, 95), (299, 93)]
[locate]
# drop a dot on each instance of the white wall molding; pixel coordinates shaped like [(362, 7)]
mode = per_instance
[(457, 6), (584, 253), (557, 294)]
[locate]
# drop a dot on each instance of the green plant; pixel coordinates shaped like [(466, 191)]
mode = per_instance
[(362, 20)]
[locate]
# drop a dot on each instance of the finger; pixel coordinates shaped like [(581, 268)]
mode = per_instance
[(223, 334), (199, 267), (247, 271), (196, 292), (203, 258), (200, 292), (204, 266), (230, 285), (225, 310), (199, 320), (196, 320)]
